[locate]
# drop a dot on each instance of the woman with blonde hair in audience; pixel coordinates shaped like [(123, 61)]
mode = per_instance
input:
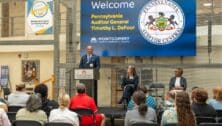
[(216, 102), (181, 113), (140, 113), (32, 111), (63, 114)]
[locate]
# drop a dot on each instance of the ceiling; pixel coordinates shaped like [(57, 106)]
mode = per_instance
[(205, 13)]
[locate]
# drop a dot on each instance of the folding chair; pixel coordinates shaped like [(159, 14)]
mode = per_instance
[(26, 123), (157, 91), (14, 108), (210, 124), (219, 113), (170, 124), (85, 112), (144, 124), (57, 124), (205, 120), (220, 120), (11, 116)]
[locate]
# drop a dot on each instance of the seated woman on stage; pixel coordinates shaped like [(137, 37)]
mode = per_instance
[(129, 84)]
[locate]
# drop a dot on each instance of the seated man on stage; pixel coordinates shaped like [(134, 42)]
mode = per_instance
[(178, 82), (82, 100), (129, 84)]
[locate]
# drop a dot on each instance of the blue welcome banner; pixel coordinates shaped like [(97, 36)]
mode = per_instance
[(139, 27)]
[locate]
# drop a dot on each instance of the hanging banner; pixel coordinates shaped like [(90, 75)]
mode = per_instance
[(39, 16), (4, 76), (139, 27)]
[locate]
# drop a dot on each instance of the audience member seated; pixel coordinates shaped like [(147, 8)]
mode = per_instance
[(181, 113), (129, 84), (199, 105), (140, 113), (4, 121), (82, 100), (47, 105), (63, 114), (150, 101), (169, 100), (32, 111), (216, 102), (192, 94), (19, 97)]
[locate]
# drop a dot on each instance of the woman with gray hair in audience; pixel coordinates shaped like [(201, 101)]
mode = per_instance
[(32, 111), (63, 114), (140, 113)]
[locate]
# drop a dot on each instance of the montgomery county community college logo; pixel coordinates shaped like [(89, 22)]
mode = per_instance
[(161, 22), (40, 8)]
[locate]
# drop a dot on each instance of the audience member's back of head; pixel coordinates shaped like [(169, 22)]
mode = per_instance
[(143, 89), (218, 95), (81, 88), (170, 95), (183, 107), (139, 98), (42, 89), (20, 87), (63, 100), (200, 95), (34, 103)]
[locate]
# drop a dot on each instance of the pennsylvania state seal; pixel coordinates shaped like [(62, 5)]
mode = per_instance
[(161, 22)]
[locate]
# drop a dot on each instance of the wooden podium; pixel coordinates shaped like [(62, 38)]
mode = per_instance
[(88, 77)]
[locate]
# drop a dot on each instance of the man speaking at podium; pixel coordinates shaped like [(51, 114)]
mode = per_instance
[(90, 60)]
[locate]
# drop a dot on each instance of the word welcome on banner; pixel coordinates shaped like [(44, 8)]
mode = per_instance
[(39, 17), (139, 27)]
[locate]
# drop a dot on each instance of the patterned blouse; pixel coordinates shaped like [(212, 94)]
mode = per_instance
[(169, 116)]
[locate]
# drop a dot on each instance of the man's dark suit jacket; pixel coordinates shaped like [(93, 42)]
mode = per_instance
[(183, 83), (84, 63)]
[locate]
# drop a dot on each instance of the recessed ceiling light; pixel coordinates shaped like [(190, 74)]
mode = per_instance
[(207, 4)]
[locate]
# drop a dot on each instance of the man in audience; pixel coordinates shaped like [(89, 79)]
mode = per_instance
[(19, 97), (178, 82), (82, 100), (47, 105), (199, 105)]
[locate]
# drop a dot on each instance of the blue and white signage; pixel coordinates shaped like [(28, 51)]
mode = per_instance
[(139, 27), (39, 16), (4, 76)]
